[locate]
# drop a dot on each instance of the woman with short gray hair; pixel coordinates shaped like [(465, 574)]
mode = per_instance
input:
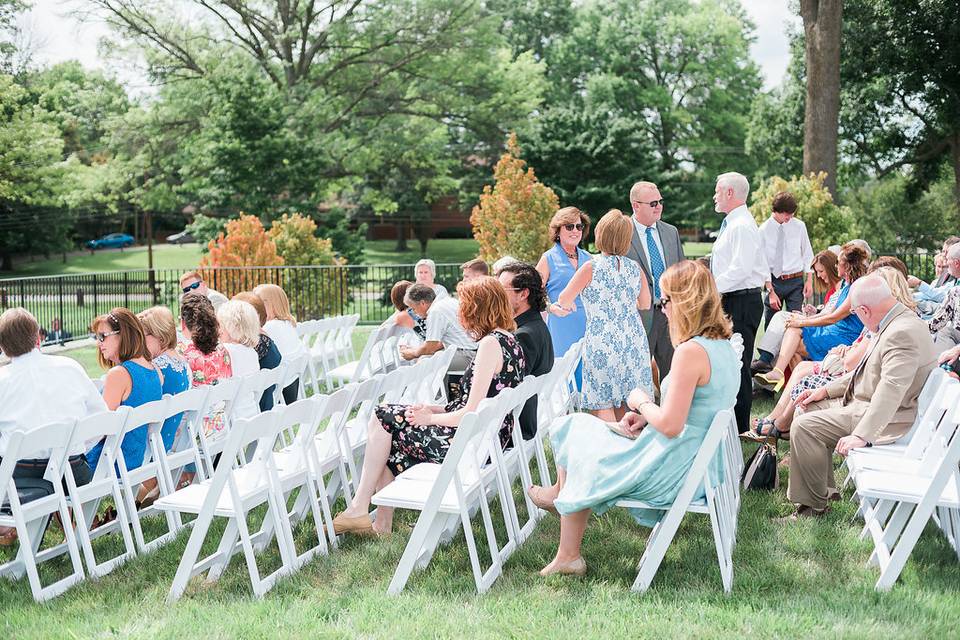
[(426, 271)]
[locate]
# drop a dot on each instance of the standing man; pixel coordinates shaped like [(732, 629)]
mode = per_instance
[(528, 299), (740, 268), (789, 256), (655, 246)]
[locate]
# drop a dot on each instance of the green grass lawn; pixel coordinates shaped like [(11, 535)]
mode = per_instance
[(187, 256), (803, 580)]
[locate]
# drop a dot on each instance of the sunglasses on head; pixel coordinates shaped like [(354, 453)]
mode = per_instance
[(570, 227), (191, 287)]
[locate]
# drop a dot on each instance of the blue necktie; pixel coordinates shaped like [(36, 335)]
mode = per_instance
[(723, 225), (656, 263)]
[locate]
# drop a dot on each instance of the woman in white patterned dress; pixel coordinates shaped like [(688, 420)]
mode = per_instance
[(616, 355)]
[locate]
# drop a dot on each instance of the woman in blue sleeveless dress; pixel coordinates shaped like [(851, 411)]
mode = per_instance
[(811, 337), (647, 454), (616, 354), (568, 228), (132, 379)]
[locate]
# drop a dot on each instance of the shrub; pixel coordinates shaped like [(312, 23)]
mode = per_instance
[(245, 244), (297, 243), (826, 222), (514, 215)]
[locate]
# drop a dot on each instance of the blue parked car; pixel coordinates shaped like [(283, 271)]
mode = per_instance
[(111, 241)]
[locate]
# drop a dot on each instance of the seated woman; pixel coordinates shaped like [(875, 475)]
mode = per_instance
[(404, 316), (596, 467), (240, 333), (839, 361), (281, 326), (401, 436), (161, 335), (768, 346), (810, 338), (267, 352), (616, 355), (132, 379)]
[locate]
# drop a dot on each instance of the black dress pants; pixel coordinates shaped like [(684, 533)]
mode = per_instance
[(745, 309)]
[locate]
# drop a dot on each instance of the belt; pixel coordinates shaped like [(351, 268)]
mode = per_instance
[(741, 292), (790, 276)]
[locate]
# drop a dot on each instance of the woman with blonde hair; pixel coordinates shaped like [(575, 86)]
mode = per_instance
[(568, 228), (401, 436), (646, 455), (281, 326), (161, 336), (240, 333), (616, 354), (267, 352)]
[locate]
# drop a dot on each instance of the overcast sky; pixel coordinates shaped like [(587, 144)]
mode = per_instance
[(57, 36)]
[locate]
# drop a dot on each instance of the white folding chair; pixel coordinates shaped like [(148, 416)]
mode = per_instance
[(151, 415), (107, 426), (31, 513), (706, 473), (374, 359), (219, 407), (446, 493), (343, 340), (186, 449), (915, 498), (232, 493)]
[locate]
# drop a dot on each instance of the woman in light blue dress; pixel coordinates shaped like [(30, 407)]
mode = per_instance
[(649, 454), (616, 355), (568, 228)]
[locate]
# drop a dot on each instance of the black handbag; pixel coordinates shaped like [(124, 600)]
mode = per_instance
[(760, 471)]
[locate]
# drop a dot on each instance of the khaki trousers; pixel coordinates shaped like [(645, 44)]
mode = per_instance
[(813, 438)]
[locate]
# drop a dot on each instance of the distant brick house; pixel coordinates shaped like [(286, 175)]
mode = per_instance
[(445, 213)]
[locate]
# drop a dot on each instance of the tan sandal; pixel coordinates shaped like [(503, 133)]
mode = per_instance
[(540, 500)]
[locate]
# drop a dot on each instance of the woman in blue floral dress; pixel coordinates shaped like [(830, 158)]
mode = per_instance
[(616, 355)]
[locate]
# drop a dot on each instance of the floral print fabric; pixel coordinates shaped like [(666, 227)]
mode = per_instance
[(429, 443)]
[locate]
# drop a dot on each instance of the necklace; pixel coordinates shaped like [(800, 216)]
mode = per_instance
[(572, 256)]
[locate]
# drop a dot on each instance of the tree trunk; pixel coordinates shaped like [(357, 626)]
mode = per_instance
[(821, 28), (401, 237), (955, 158)]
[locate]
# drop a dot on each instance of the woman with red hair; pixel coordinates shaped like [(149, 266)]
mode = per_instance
[(401, 436)]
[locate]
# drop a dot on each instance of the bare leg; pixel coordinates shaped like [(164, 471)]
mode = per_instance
[(374, 465), (384, 521), (792, 340), (553, 491), (572, 528), (800, 371)]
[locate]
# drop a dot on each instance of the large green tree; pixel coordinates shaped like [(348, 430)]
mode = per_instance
[(672, 78)]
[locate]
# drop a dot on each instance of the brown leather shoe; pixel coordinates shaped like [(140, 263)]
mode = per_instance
[(803, 511), (361, 525)]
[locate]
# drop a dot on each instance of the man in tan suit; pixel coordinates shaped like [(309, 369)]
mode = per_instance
[(874, 406)]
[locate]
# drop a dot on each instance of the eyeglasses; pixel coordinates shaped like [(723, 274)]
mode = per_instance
[(570, 227), (100, 337), (652, 203), (191, 287), (664, 300)]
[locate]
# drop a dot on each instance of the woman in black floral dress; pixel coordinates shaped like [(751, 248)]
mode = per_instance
[(401, 436)]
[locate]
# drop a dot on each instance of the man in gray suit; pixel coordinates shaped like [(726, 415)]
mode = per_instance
[(655, 246)]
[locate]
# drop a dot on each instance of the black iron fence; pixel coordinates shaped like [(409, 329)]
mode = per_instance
[(72, 301)]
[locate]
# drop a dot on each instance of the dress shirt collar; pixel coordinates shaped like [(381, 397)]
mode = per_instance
[(528, 316), (739, 212), (26, 359), (894, 310), (642, 228)]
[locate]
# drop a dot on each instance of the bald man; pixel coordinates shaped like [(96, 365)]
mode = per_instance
[(876, 405)]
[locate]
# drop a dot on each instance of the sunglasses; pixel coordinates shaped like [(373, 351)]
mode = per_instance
[(100, 337), (191, 287), (570, 227), (652, 203)]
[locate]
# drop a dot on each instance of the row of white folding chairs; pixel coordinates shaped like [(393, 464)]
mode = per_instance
[(901, 487), (305, 464), (329, 343), (112, 478), (476, 470)]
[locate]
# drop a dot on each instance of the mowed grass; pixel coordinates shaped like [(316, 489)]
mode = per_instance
[(187, 256), (802, 580)]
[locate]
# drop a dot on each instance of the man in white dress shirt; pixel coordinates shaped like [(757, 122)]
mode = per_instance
[(444, 330), (740, 269), (37, 389), (789, 255)]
